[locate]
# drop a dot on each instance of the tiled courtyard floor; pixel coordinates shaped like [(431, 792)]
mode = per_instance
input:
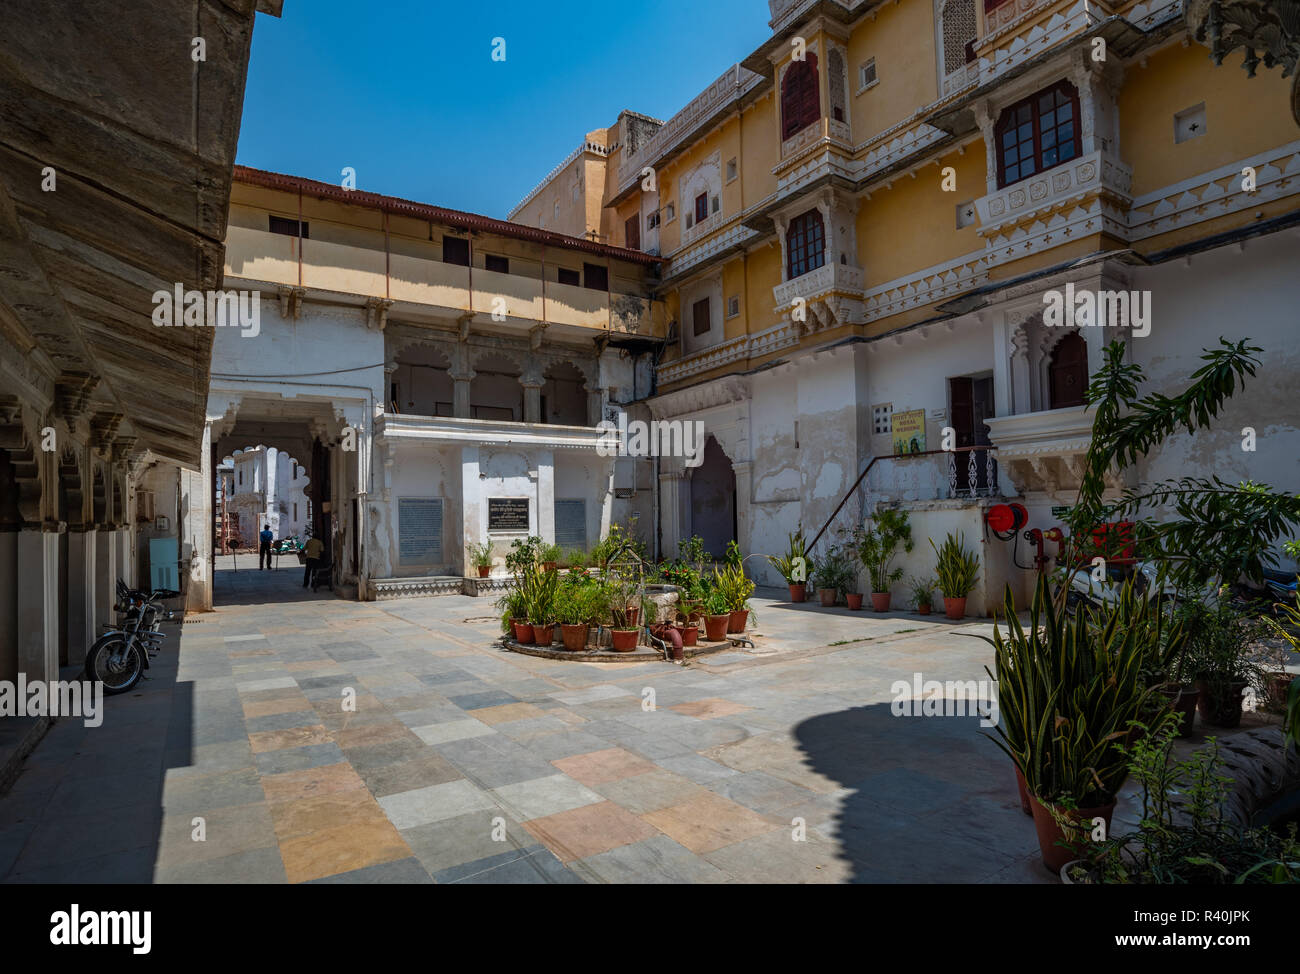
[(238, 762)]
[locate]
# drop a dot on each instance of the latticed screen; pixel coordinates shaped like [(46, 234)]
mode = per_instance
[(958, 33)]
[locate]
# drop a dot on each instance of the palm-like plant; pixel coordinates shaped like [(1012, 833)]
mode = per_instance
[(878, 543)]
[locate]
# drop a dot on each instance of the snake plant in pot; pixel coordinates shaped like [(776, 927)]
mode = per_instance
[(794, 566), (1070, 692), (958, 570)]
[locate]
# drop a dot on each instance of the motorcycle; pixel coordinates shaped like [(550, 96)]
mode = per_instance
[(120, 656)]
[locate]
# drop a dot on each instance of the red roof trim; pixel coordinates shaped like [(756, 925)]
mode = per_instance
[(437, 214)]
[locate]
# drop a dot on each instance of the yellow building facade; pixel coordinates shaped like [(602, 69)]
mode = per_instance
[(865, 216)]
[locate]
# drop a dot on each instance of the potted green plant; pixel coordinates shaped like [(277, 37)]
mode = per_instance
[(1221, 646), (735, 587), (573, 611), (717, 616), (794, 566), (878, 543), (481, 556), (957, 569), (1184, 836), (575, 558), (835, 573), (513, 606), (1070, 692), (922, 592), (543, 590), (1289, 629), (621, 595), (549, 556)]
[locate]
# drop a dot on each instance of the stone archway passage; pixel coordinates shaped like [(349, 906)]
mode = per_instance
[(713, 499)]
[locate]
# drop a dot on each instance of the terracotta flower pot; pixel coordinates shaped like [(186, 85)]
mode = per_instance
[(624, 640), (827, 595), (548, 566), (880, 601), (1277, 687), (484, 571), (736, 620), (1183, 700), (1221, 708), (923, 610), (543, 634), (690, 634), (574, 637), (715, 627), (1024, 793), (954, 608), (1049, 832), (523, 631), (854, 599), (798, 591)]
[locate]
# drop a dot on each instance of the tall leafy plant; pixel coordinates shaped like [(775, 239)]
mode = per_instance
[(1217, 530), (878, 543)]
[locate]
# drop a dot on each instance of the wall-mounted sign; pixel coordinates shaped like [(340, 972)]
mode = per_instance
[(1060, 512), (508, 514), (909, 432)]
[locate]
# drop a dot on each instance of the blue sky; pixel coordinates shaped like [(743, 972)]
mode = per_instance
[(406, 91)]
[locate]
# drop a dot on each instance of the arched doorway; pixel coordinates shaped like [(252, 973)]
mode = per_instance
[(713, 500), (1067, 372)]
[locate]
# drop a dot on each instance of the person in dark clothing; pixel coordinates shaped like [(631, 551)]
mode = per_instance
[(264, 548)]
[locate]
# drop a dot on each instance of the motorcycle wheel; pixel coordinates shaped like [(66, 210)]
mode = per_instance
[(115, 665)]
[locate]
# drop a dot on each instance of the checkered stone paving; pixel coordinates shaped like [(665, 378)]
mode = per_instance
[(299, 738)]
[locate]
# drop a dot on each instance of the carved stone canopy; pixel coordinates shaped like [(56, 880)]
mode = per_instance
[(1267, 27)]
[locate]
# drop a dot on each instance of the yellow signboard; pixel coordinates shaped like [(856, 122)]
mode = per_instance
[(909, 432)]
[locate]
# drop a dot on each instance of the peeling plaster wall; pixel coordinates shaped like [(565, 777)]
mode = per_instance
[(1252, 293)]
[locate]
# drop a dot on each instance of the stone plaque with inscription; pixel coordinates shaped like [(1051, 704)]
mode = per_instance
[(508, 514)]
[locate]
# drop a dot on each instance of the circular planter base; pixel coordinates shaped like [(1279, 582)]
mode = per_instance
[(603, 654)]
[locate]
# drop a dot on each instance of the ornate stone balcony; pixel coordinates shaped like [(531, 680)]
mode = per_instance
[(832, 294), (1043, 451), (1067, 185), (825, 280)]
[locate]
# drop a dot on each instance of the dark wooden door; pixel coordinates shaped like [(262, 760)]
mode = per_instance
[(1067, 373), (970, 403)]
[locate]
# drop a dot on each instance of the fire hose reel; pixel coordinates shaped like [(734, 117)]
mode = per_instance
[(1004, 520)]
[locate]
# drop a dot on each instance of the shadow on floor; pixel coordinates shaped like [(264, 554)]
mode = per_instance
[(932, 800)]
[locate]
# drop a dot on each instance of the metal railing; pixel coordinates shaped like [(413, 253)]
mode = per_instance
[(974, 476)]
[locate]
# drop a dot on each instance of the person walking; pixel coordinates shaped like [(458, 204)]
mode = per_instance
[(313, 550), (264, 549)]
